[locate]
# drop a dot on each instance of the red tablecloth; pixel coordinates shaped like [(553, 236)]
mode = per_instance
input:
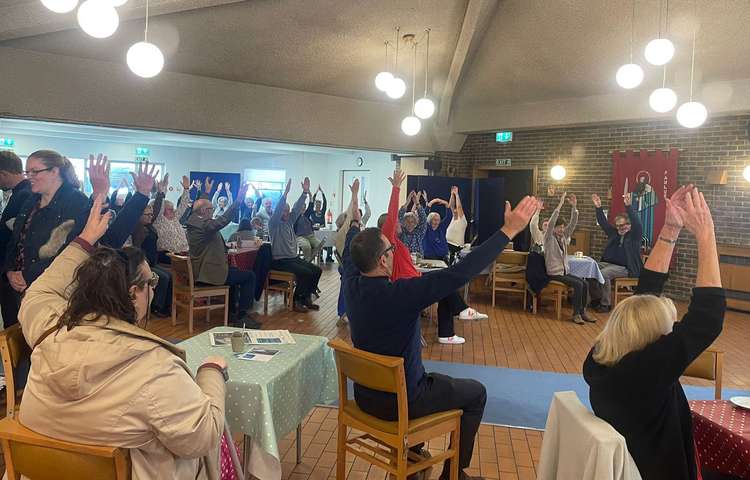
[(244, 259), (722, 436)]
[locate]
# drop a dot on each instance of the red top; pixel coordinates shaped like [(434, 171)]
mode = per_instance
[(403, 267)]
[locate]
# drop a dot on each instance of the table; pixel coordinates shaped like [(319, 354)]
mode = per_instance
[(722, 436), (424, 265), (243, 258), (585, 267), (326, 236), (265, 401)]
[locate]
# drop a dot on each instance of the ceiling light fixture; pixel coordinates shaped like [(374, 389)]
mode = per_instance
[(424, 107), (663, 99), (746, 173), (397, 87), (383, 79), (118, 3), (98, 18), (144, 58), (659, 51), (60, 6), (692, 114), (557, 172), (411, 124), (630, 75)]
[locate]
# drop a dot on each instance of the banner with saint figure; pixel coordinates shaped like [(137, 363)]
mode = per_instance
[(650, 178)]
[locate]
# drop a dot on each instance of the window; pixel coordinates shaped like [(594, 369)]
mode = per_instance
[(270, 183)]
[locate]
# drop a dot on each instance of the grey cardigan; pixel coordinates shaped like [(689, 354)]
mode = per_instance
[(555, 258)]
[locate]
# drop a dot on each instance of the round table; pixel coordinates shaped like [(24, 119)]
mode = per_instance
[(326, 236), (722, 436), (585, 267), (242, 258)]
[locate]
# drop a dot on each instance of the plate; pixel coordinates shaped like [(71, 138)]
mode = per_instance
[(742, 402)]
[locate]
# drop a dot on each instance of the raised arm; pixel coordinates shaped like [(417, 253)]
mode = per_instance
[(325, 202), (230, 198), (215, 197), (554, 216), (278, 211), (421, 221), (601, 220), (571, 227), (299, 205), (537, 236), (636, 227), (184, 200), (389, 227), (368, 213), (459, 208)]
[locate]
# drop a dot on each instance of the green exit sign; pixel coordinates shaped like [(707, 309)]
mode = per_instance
[(142, 152), (7, 143), (503, 137), (503, 162)]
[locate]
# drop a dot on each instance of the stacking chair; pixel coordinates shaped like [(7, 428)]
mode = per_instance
[(39, 457), (16, 355), (509, 274), (383, 443), (623, 287), (279, 281), (709, 365), (555, 290), (185, 294)]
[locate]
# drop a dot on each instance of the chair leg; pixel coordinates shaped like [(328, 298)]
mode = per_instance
[(174, 309), (401, 463), (341, 452), (190, 317), (558, 305), (534, 300), (226, 308), (265, 299), (455, 435), (11, 471), (525, 297)]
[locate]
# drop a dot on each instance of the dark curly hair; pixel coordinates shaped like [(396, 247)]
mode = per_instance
[(101, 283)]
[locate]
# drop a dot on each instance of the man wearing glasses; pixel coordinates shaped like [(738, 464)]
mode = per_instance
[(622, 254)]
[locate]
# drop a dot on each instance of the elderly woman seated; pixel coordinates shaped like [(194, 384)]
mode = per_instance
[(634, 367), (247, 231), (98, 378)]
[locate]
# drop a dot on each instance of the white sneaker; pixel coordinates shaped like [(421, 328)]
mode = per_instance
[(471, 314), (454, 340)]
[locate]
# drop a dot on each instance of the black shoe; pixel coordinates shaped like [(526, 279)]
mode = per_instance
[(311, 306), (300, 307), (602, 309), (247, 320)]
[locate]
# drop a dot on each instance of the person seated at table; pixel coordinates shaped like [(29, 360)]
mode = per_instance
[(455, 234), (306, 239), (384, 319), (435, 244), (250, 205), (284, 247), (97, 377), (556, 241), (221, 202), (413, 221), (208, 253), (634, 367), (537, 234), (171, 235), (246, 232), (622, 254)]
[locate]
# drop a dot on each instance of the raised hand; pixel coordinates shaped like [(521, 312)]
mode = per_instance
[(676, 206), (99, 174), (627, 199), (163, 184), (242, 192), (219, 187), (597, 201), (227, 186), (562, 200), (697, 217), (365, 196), (397, 179), (143, 180), (454, 190), (198, 184), (517, 218), (306, 185), (97, 223), (355, 187), (541, 205), (288, 187), (209, 185), (572, 200), (186, 183)]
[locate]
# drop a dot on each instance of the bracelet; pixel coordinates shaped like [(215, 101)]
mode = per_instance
[(215, 366), (667, 240)]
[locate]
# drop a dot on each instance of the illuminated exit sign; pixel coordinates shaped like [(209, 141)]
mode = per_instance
[(7, 143), (503, 137)]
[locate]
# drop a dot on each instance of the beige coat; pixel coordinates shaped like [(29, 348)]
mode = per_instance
[(112, 383)]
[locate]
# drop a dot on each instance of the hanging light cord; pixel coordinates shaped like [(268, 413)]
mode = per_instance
[(426, 61), (692, 66), (386, 55), (661, 6), (395, 61), (145, 33), (632, 31), (666, 30), (413, 78)]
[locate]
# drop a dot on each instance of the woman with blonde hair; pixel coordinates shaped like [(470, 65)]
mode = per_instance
[(634, 368)]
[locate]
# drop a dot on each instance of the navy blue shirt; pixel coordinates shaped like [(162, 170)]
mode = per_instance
[(435, 244), (384, 315)]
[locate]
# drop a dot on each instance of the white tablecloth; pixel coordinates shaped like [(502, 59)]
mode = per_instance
[(585, 267), (327, 236)]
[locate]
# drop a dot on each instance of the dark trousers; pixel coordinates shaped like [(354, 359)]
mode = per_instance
[(162, 301), (10, 302), (580, 290), (439, 393), (329, 253), (307, 275), (341, 306), (452, 252), (448, 308), (241, 290)]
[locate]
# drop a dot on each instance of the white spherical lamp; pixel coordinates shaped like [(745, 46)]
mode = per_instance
[(746, 173), (118, 3), (60, 6), (659, 51), (145, 59), (424, 108), (383, 81), (397, 88), (662, 100), (557, 172), (411, 125), (692, 114), (98, 18), (629, 76)]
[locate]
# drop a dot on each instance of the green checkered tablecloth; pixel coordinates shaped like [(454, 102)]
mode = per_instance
[(267, 400)]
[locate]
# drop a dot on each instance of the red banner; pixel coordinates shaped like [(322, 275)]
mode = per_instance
[(650, 177)]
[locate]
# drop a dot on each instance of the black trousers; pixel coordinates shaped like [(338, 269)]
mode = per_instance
[(10, 302), (307, 275), (162, 301), (453, 250), (241, 290), (439, 393), (580, 291), (448, 308)]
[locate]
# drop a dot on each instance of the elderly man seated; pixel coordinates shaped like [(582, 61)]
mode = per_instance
[(209, 257), (284, 247), (171, 233)]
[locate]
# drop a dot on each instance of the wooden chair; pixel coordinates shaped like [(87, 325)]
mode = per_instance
[(509, 274), (555, 290), (383, 443), (623, 287), (39, 457), (279, 281), (185, 293), (14, 352), (709, 365)]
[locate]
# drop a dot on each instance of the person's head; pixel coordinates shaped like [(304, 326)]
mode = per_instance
[(372, 253), (383, 218), (120, 197), (168, 210), (148, 214), (249, 202), (410, 221), (268, 205), (340, 220), (545, 225), (203, 208), (111, 283), (622, 224), (222, 201), (559, 230), (284, 211), (318, 205), (48, 170), (634, 323), (257, 223), (245, 225), (11, 170), (433, 219)]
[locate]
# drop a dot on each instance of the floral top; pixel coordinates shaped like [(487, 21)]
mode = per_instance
[(172, 237)]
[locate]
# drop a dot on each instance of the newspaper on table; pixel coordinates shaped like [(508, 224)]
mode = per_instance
[(270, 337)]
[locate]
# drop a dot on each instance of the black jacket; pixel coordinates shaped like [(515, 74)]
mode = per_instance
[(53, 227), (641, 395), (632, 240), (21, 193)]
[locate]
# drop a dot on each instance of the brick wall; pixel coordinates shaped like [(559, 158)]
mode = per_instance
[(586, 154)]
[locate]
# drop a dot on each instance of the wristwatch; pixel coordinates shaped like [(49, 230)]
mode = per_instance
[(216, 366)]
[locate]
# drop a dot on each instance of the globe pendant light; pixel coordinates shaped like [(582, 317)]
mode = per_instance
[(662, 99), (746, 173), (384, 78), (98, 18), (397, 88), (557, 172), (630, 75), (411, 124), (660, 51), (60, 6), (144, 58), (692, 114), (424, 107), (118, 3)]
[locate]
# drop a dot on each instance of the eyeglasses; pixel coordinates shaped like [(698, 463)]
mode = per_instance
[(385, 252), (621, 225), (34, 173)]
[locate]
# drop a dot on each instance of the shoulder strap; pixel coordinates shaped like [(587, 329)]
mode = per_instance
[(46, 334)]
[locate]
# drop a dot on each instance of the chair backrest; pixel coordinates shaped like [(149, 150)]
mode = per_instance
[(377, 372), (39, 457), (182, 271), (709, 365), (511, 257), (16, 355)]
